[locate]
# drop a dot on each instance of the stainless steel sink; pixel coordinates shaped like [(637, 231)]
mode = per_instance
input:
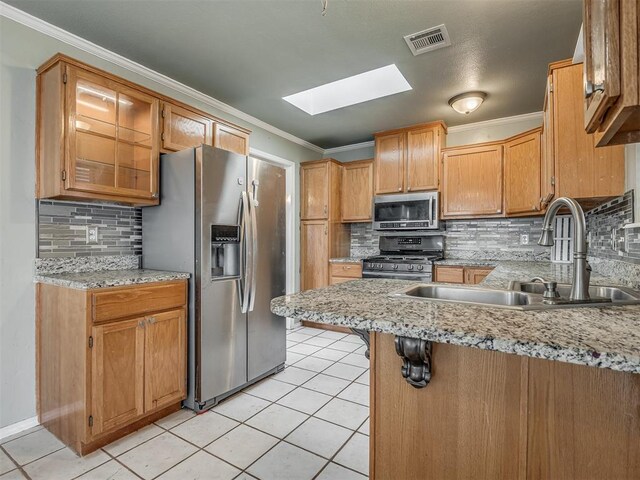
[(521, 296), (471, 295), (616, 295)]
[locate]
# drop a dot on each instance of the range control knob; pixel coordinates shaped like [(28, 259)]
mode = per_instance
[(420, 267), (395, 266), (410, 267)]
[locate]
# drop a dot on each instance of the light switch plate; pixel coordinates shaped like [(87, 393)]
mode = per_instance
[(524, 239), (92, 234)]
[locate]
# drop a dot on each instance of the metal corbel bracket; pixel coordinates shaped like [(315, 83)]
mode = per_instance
[(416, 358), (364, 335)]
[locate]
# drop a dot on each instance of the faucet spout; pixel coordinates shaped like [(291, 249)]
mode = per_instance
[(581, 268)]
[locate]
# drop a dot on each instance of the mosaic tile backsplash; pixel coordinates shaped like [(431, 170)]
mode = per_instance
[(62, 229), (608, 237), (499, 239)]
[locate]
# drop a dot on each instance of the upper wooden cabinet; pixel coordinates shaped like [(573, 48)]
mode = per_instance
[(183, 128), (320, 190), (99, 136), (582, 171), (522, 171), (390, 160), (230, 138), (406, 160), (611, 79), (357, 191), (472, 181)]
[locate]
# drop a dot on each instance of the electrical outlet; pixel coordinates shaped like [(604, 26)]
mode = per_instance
[(524, 239), (92, 234)]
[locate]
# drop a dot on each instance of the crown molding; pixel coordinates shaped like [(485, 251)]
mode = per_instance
[(69, 38), (346, 148), (497, 121)]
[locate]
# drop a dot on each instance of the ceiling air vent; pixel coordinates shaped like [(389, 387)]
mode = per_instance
[(428, 40)]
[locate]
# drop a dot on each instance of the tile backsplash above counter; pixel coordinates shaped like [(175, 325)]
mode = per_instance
[(62, 229)]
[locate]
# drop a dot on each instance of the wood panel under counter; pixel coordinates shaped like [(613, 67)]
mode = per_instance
[(492, 415)]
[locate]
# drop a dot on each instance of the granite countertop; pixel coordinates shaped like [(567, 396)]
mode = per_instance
[(346, 260), (107, 278), (600, 337)]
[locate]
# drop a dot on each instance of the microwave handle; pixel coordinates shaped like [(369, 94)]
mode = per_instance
[(431, 209)]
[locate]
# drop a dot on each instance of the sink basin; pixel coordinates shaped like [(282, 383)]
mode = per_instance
[(617, 295), (471, 295), (520, 296)]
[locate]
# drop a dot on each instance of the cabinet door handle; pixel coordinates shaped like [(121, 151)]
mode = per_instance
[(399, 189), (152, 320), (325, 229), (325, 209), (141, 324)]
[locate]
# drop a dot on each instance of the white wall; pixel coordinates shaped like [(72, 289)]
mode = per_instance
[(22, 50)]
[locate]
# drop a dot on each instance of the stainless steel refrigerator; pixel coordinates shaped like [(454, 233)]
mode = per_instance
[(222, 218)]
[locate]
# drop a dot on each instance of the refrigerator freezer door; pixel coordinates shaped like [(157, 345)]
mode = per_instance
[(221, 330), (266, 331)]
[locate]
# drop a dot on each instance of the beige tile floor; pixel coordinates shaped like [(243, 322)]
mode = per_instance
[(310, 421)]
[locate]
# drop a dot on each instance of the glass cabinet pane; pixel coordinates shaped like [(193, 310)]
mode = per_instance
[(134, 119), (95, 108), (95, 159), (134, 166)]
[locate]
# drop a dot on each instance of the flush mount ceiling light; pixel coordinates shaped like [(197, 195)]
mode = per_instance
[(466, 103), (363, 87)]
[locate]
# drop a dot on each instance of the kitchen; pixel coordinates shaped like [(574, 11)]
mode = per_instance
[(99, 355)]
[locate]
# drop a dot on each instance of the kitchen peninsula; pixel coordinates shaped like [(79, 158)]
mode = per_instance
[(505, 393)]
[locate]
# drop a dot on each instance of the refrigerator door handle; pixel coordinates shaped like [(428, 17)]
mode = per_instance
[(253, 260), (246, 254)]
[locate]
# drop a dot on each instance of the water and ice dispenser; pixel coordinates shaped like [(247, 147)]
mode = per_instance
[(225, 251)]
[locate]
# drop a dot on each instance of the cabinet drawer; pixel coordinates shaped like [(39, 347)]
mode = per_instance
[(350, 270), (449, 274), (127, 302)]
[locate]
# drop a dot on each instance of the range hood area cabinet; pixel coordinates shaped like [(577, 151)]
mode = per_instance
[(99, 136), (406, 160), (582, 170), (322, 235), (611, 87)]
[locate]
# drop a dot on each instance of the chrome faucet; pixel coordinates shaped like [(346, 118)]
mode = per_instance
[(581, 268)]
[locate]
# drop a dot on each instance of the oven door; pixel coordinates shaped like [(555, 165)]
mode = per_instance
[(421, 277), (414, 211)]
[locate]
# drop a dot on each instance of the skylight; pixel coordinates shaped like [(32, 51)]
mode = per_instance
[(363, 87)]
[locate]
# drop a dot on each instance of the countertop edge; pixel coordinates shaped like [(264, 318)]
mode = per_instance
[(578, 356), (108, 283)]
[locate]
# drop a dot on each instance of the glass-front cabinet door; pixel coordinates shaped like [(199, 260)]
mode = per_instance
[(113, 142)]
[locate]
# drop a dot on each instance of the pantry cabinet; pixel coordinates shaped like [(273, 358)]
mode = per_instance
[(183, 128), (357, 191), (582, 171), (611, 86), (472, 178), (322, 233), (109, 360), (522, 174), (406, 160)]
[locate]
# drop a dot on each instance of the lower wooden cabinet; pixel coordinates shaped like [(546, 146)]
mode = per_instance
[(460, 274), (344, 272), (98, 380), (320, 240)]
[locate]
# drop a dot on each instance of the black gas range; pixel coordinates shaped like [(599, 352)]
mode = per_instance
[(405, 257)]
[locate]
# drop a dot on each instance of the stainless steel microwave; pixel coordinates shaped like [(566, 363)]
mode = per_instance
[(411, 211)]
